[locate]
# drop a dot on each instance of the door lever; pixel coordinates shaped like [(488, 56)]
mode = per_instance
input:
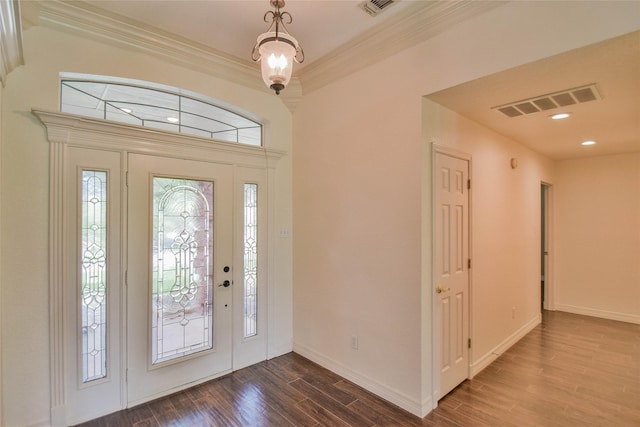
[(440, 289), (226, 284)]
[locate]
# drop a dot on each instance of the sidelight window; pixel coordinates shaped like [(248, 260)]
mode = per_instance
[(93, 281), (250, 260)]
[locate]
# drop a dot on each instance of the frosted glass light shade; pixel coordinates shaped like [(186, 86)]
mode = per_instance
[(276, 56)]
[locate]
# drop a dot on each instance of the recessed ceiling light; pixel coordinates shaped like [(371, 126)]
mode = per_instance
[(560, 116), (585, 143), (173, 119)]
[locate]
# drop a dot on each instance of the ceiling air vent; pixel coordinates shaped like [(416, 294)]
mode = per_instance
[(549, 102), (374, 7)]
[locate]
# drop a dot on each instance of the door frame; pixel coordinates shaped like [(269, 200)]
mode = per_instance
[(68, 130), (435, 330), (549, 302)]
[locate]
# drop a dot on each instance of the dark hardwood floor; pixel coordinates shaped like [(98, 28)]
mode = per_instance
[(570, 371)]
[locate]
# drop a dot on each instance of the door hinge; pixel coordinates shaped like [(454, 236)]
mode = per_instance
[(126, 375), (126, 278), (469, 263), (126, 178), (469, 343), (468, 184)]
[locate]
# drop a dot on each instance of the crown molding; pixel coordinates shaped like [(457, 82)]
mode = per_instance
[(416, 23), (88, 21), (11, 55)]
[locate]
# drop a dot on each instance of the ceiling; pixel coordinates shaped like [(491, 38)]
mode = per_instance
[(612, 121), (320, 26), (324, 27)]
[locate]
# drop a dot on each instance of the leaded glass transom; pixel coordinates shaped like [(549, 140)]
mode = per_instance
[(93, 282), (250, 260), (182, 297), (158, 108)]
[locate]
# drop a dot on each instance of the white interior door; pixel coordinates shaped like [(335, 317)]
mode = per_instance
[(452, 273), (179, 274)]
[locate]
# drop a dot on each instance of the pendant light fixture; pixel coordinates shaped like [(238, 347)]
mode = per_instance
[(277, 49)]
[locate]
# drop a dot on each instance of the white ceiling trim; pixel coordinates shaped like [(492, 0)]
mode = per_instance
[(83, 18), (416, 23), (11, 55), (107, 27)]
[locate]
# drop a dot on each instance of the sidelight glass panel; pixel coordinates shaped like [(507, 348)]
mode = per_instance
[(182, 295), (93, 278), (250, 260)]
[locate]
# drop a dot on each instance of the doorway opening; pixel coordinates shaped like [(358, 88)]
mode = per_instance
[(545, 277)]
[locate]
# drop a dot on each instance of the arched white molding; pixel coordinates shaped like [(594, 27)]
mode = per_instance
[(10, 38)]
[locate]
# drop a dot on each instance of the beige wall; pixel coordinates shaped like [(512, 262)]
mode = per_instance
[(597, 239), (505, 230), (361, 191), (25, 168)]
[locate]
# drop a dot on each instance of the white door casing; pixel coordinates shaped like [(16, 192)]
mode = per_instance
[(101, 143), (451, 275)]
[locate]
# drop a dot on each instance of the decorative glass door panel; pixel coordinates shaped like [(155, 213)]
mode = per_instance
[(179, 243), (92, 292), (182, 264), (250, 260), (250, 290), (93, 278)]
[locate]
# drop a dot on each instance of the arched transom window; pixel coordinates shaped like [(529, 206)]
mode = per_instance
[(156, 106)]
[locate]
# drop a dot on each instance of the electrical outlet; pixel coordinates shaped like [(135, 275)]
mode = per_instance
[(354, 342)]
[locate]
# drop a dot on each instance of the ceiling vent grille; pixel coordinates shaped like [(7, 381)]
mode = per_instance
[(549, 102), (374, 7)]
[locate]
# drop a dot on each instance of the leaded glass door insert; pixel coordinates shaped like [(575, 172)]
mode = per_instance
[(91, 290), (182, 265), (93, 277), (250, 260)]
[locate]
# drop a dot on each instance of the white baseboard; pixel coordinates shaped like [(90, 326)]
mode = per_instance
[(492, 355), (417, 408), (611, 315)]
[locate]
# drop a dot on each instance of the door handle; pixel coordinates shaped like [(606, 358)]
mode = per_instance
[(226, 284), (440, 289)]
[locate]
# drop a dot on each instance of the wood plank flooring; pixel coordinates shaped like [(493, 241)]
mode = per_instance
[(570, 371)]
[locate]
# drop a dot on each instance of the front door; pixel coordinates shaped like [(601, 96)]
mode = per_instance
[(451, 176), (179, 274)]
